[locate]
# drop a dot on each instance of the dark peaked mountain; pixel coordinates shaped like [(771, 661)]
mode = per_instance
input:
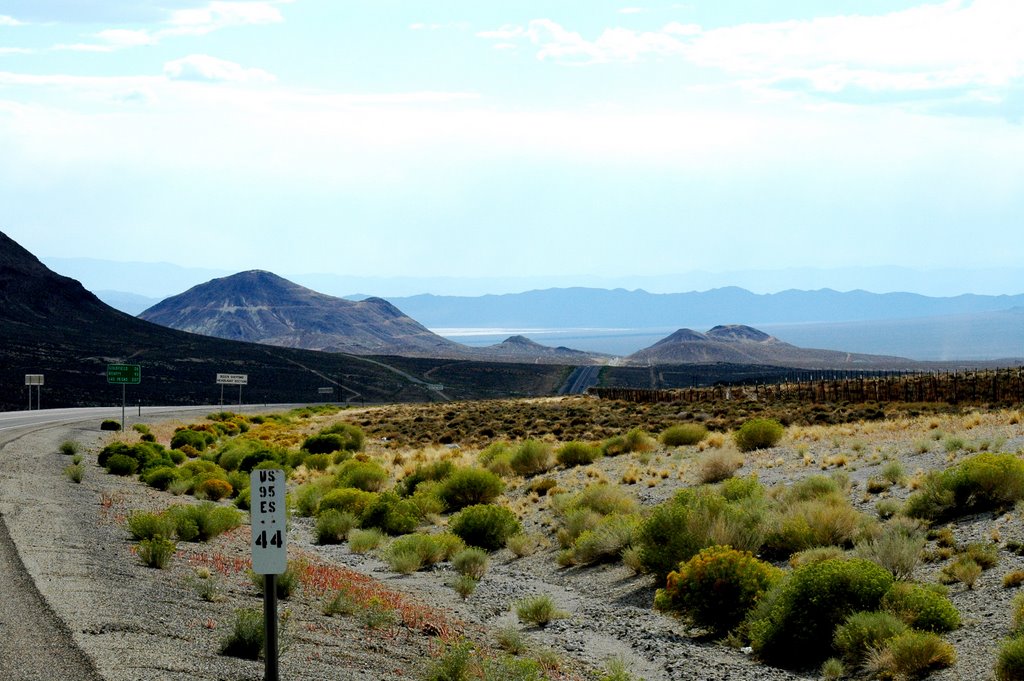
[(738, 344), (52, 325), (261, 307)]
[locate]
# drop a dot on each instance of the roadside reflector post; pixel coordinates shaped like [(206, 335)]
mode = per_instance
[(269, 552)]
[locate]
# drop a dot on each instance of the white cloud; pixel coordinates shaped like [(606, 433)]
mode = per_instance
[(15, 50), (932, 47), (220, 14), (9, 21), (203, 67), (120, 37)]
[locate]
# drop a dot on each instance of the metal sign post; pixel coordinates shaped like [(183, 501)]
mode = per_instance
[(232, 379), (34, 380), (269, 551), (125, 374)]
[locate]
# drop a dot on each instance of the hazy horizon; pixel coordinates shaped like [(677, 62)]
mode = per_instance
[(109, 275)]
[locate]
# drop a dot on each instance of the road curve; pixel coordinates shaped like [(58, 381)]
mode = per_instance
[(35, 644)]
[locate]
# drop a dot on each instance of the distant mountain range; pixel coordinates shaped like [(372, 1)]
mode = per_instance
[(261, 307), (618, 308)]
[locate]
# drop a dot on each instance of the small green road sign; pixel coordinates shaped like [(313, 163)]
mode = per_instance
[(124, 373)]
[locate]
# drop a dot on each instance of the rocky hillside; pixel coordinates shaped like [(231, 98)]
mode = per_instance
[(261, 307), (738, 344), (52, 325)]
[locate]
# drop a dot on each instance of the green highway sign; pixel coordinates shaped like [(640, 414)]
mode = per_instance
[(124, 373)]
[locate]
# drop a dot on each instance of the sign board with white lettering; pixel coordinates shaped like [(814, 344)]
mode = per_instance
[(33, 379), (125, 374), (269, 521), (233, 379)]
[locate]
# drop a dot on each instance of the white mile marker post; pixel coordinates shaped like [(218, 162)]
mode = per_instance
[(269, 551)]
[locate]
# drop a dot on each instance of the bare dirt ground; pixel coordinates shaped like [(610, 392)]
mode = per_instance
[(134, 622)]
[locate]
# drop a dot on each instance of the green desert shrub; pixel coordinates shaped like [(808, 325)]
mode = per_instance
[(795, 622), (390, 513), (161, 477), (910, 655), (156, 552), (577, 454), (364, 540), (897, 548), (368, 476), (471, 562), (317, 462), (864, 631), (717, 466), (574, 523), (614, 446), (683, 435), (717, 587), (413, 552), (353, 438), (432, 472), (332, 527), (921, 606), (983, 482), (825, 521), (110, 424), (264, 457), (469, 486), (324, 443), (693, 520), (1010, 660), (531, 457), (247, 635), (146, 525), (345, 499), (464, 585), (231, 453), (485, 525), (637, 440), (68, 448), (74, 472), (758, 434), (203, 521), (606, 541), (963, 569), (307, 497), (601, 498), (121, 464), (497, 458), (214, 489), (538, 610), (198, 440)]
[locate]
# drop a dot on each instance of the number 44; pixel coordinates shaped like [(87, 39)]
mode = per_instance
[(275, 539)]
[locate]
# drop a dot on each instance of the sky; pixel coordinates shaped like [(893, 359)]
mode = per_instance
[(539, 141)]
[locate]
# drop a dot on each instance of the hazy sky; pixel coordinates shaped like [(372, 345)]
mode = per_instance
[(482, 139)]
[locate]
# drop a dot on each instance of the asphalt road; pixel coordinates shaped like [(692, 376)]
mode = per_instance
[(580, 379)]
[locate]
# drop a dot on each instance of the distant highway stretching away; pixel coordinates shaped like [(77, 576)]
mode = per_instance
[(580, 379)]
